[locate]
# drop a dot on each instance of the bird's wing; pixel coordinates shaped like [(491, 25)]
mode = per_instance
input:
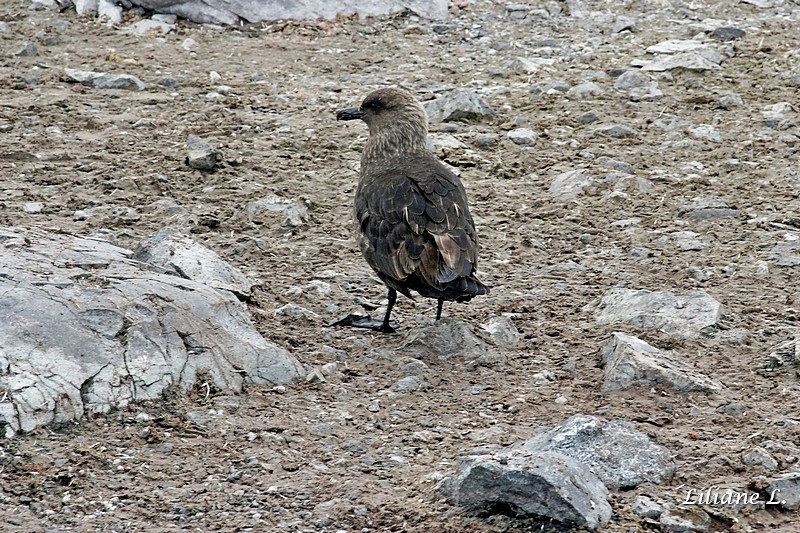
[(414, 219)]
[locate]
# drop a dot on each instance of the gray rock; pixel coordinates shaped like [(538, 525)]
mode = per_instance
[(86, 7), (615, 451), (685, 315), (684, 520), (502, 331), (446, 339), (760, 457), (705, 132), (294, 213), (615, 130), (786, 490), (230, 11), (549, 87), (692, 61), (569, 185), (150, 27), (416, 375), (623, 23), (727, 33), (201, 155), (102, 80), (785, 254), (530, 65), (587, 118), (544, 484), (688, 241), (295, 311), (630, 362), (101, 330), (646, 508), (110, 11), (523, 136), (168, 82), (460, 104), (486, 140), (27, 49), (585, 91), (675, 46), (179, 255), (633, 79), (729, 101)]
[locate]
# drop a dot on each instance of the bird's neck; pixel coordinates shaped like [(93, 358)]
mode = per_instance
[(389, 143)]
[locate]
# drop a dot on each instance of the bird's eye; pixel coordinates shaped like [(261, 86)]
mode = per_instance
[(373, 105)]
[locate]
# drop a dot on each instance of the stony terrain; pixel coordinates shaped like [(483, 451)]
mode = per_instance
[(686, 179)]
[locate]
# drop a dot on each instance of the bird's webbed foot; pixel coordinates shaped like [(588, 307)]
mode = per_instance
[(366, 322)]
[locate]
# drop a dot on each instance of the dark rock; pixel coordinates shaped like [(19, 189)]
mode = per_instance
[(727, 33)]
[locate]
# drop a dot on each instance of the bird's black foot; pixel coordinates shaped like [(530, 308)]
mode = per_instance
[(366, 322)]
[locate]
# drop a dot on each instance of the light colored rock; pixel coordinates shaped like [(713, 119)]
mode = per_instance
[(706, 132), (84, 328), (684, 520), (685, 315), (460, 104), (522, 137), (569, 185), (86, 7), (502, 331), (545, 484), (294, 213), (615, 451), (623, 23), (103, 80), (693, 61), (760, 457), (150, 27), (785, 254), (180, 255), (646, 508), (786, 490), (529, 65), (618, 131), (630, 362), (230, 11), (674, 46), (109, 11), (200, 154)]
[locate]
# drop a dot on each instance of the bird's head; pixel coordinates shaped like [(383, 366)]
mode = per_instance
[(393, 116)]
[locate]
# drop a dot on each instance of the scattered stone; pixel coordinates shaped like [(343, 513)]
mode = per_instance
[(633, 79), (631, 362), (569, 185), (201, 155), (102, 80), (616, 164), (684, 520), (416, 375), (623, 23), (86, 7), (692, 61), (549, 87), (543, 484), (729, 101), (27, 49), (615, 451), (446, 339), (786, 489), (460, 104), (179, 255), (727, 33), (109, 11), (675, 46), (585, 91), (615, 130), (118, 331), (51, 40), (688, 241), (169, 83), (530, 65), (523, 137), (486, 140), (151, 27), (294, 213), (295, 311), (785, 254), (760, 457), (687, 315), (706, 132), (587, 118), (502, 331), (32, 207), (707, 208), (646, 508)]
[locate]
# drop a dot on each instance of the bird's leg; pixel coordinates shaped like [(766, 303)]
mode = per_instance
[(386, 327), (439, 308)]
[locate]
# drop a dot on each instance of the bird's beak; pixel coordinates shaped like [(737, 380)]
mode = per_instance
[(351, 113)]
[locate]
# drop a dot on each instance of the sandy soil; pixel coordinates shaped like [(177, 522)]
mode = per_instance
[(350, 454)]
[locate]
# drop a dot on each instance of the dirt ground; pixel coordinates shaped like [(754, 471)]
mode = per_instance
[(351, 454)]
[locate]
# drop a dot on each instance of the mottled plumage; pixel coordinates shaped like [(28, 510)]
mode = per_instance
[(416, 230)]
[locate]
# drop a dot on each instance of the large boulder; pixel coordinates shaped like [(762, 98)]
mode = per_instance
[(86, 328)]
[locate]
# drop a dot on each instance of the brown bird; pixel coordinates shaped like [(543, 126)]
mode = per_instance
[(416, 231)]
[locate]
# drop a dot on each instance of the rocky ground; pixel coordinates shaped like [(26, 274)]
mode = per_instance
[(684, 180)]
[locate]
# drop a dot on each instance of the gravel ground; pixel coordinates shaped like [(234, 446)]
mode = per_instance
[(713, 153)]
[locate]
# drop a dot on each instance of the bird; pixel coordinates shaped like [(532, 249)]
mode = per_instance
[(414, 224)]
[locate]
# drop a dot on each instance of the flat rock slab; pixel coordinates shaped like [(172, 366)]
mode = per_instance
[(615, 451), (231, 11), (687, 315), (545, 484), (104, 80), (630, 362), (86, 328), (460, 104)]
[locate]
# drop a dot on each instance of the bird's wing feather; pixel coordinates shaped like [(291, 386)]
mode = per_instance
[(416, 218)]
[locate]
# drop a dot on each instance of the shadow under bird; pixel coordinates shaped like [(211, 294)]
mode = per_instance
[(416, 231)]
